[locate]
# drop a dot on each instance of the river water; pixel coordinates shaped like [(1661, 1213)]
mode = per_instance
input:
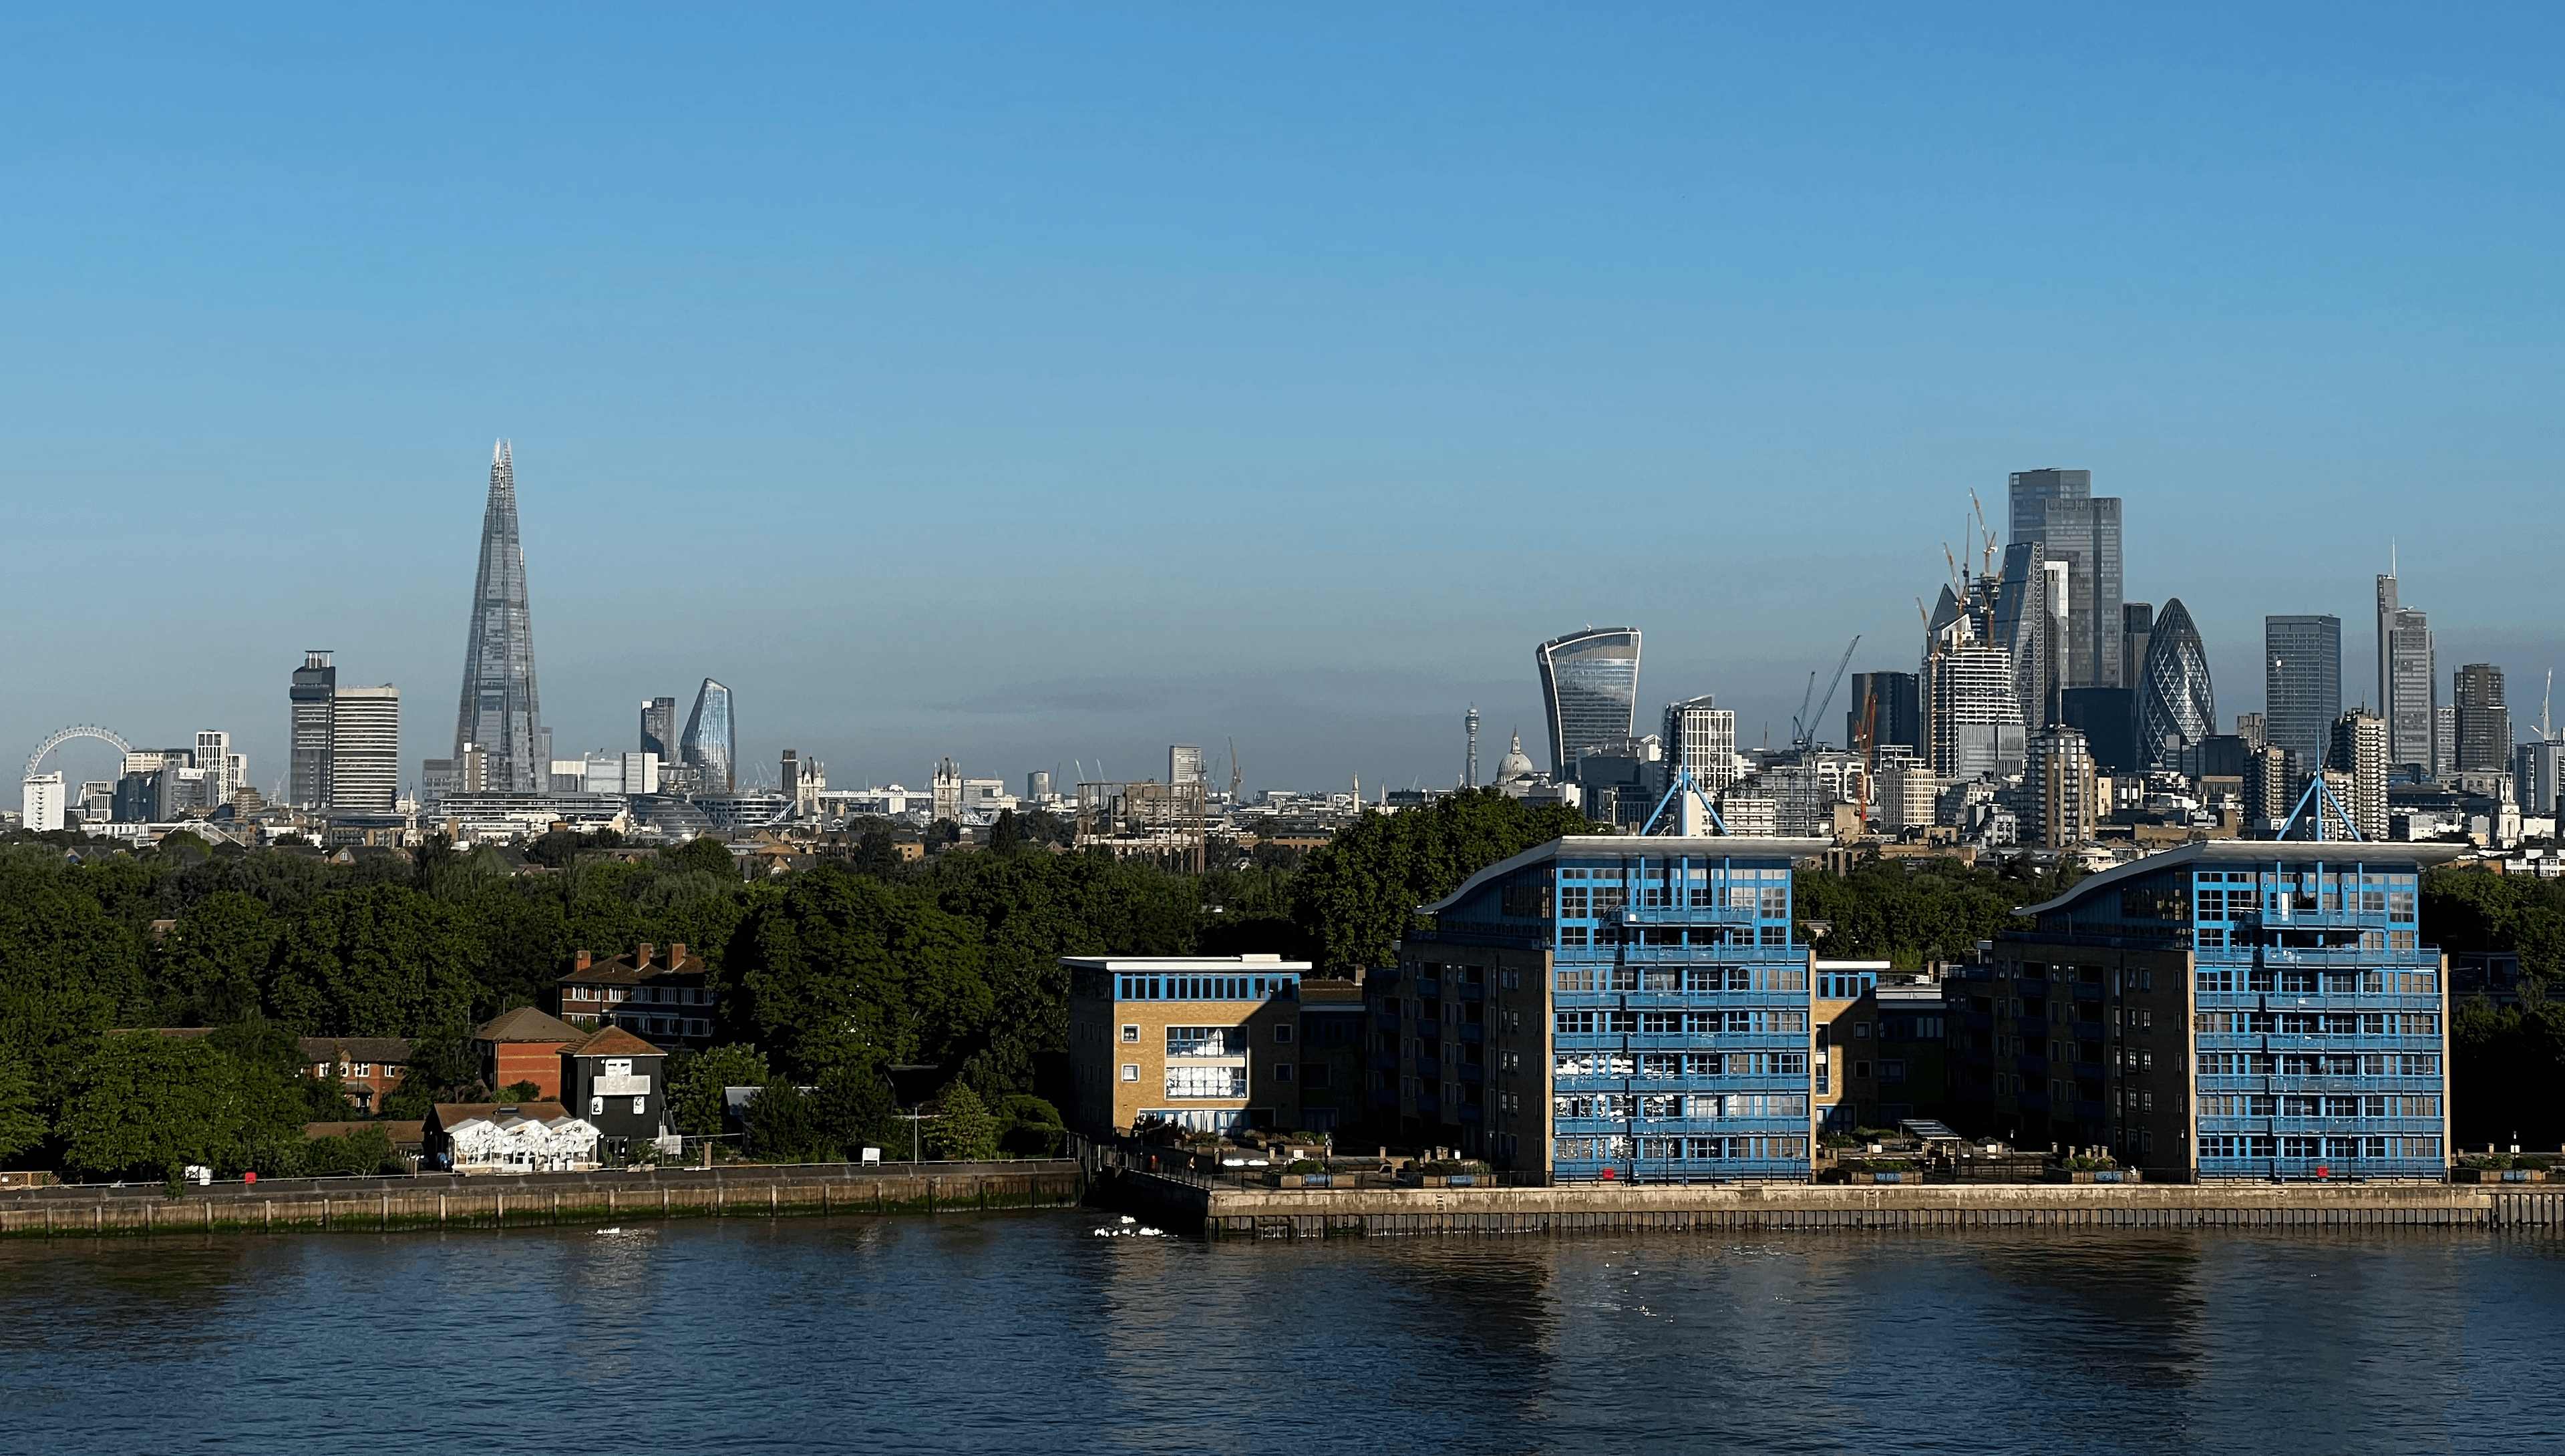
[(1024, 1332)]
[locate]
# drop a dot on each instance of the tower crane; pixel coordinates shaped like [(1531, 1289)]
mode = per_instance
[(1803, 728)]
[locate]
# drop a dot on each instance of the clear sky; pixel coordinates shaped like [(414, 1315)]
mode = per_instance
[(1044, 385)]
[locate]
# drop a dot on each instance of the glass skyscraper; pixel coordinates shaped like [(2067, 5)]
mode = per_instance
[(2302, 684), (499, 713), (1589, 681), (2177, 706), (2407, 682), (2056, 512), (711, 742), (659, 728)]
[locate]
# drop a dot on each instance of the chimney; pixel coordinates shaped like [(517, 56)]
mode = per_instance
[(580, 963), (642, 956), (676, 955)]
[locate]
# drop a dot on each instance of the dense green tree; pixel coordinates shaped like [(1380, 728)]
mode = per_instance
[(1357, 895), (141, 1105), (845, 968), (1028, 1126), (442, 1069), (68, 971), (213, 965), (708, 854), (2470, 910), (782, 1126), (696, 1080), (383, 962), (852, 1109), (1910, 911), (363, 1152), (964, 1129), (22, 1119)]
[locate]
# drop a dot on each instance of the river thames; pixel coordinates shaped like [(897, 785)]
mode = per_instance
[(1026, 1333)]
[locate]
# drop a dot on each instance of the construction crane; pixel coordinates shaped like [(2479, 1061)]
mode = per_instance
[(1803, 728), (1234, 777)]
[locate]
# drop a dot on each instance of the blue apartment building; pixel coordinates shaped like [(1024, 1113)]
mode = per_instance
[(1630, 1008), (2254, 1010)]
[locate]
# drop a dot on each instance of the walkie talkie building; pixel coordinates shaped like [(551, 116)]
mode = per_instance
[(1589, 681)]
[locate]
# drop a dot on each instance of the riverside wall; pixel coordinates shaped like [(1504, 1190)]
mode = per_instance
[(542, 1199), (1225, 1211)]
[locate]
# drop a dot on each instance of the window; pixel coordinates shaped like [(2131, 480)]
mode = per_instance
[(1283, 1032), (1892, 1071), (1282, 1071), (1131, 1034), (1131, 1069), (1216, 1080), (641, 1105), (597, 1106), (1206, 1041)]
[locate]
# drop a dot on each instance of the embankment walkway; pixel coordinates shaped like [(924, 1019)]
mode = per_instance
[(443, 1200), (1229, 1211)]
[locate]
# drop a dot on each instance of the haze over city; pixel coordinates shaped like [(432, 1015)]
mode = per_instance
[(1040, 389)]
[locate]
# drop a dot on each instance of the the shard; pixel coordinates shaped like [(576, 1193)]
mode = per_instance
[(500, 714)]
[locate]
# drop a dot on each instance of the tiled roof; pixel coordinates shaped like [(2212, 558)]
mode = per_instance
[(614, 1041), (449, 1113), (621, 971), (384, 1051), (403, 1134), (525, 1023)]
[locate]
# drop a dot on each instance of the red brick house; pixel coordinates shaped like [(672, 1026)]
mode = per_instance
[(370, 1067), (524, 1045), (667, 999)]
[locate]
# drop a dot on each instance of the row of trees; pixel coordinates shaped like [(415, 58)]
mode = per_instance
[(824, 978)]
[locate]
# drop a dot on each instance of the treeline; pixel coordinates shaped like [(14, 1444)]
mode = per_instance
[(824, 977), (2508, 1065), (1913, 911)]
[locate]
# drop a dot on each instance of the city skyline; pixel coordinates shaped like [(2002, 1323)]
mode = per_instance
[(1323, 394)]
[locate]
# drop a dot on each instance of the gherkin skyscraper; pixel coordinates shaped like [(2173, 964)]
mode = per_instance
[(500, 713)]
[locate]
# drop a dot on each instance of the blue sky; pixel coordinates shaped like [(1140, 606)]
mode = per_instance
[(1046, 386)]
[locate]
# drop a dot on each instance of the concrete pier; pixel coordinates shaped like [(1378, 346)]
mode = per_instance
[(543, 1199), (1230, 1212)]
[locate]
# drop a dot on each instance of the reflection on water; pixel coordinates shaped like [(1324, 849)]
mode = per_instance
[(1021, 1333)]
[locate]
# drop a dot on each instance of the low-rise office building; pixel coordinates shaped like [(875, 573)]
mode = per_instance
[(1207, 1043), (1332, 1041), (2226, 1010), (1844, 1073), (1627, 1007)]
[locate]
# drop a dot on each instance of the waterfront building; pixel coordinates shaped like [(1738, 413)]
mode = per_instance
[(2229, 1009), (521, 1045), (2302, 683), (1207, 1043), (1590, 685), (2056, 514), (618, 1083), (2408, 683), (2359, 749), (1333, 1053), (315, 684), (368, 1068), (710, 745), (1843, 1086), (2177, 705), (2483, 722), (499, 708), (1636, 1008), (365, 749)]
